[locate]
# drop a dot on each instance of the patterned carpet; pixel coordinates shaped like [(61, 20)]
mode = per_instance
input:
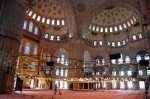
[(68, 94)]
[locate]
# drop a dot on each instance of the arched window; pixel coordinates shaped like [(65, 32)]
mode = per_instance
[(120, 60), (120, 27), (30, 13), (123, 42), (146, 57), (113, 43), (63, 22), (46, 36), (93, 28), (115, 28), (38, 18), (111, 30), (43, 20), (101, 29), (35, 50), (48, 21), (27, 49), (138, 58), (113, 61), (108, 43), (100, 43), (134, 37), (127, 59), (30, 26), (52, 37), (124, 25), (119, 44), (34, 15), (140, 36), (58, 22), (61, 59), (58, 38), (36, 30), (25, 24), (95, 43)]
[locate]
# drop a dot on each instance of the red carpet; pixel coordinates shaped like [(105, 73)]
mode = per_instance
[(68, 94)]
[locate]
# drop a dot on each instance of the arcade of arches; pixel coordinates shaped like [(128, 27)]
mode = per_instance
[(77, 38)]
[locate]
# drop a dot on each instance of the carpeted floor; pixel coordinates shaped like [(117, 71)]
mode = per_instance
[(68, 94)]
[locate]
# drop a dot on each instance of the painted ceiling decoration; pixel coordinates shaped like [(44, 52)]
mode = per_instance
[(113, 19), (48, 11)]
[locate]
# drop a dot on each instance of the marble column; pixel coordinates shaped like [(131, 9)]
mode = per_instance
[(12, 15)]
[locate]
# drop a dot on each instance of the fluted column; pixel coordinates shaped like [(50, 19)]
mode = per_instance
[(12, 15)]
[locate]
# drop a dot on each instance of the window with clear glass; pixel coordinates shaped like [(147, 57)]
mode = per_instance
[(131, 21), (101, 29), (140, 36), (90, 27), (134, 18), (120, 27), (63, 22), (123, 42), (134, 37), (58, 38), (113, 61), (100, 43), (95, 43), (127, 59), (97, 29), (27, 49), (140, 72), (46, 36), (115, 28), (146, 57), (43, 20), (53, 22), (52, 37), (48, 21), (58, 22), (34, 15), (103, 61), (97, 73), (66, 73), (113, 73), (97, 61), (38, 18), (129, 73), (120, 60), (148, 72), (119, 43), (36, 30), (124, 25), (62, 72), (25, 24), (138, 58), (35, 50), (106, 29), (57, 71), (113, 43), (30, 26), (30, 13), (108, 43), (111, 30), (128, 23), (121, 73), (93, 28)]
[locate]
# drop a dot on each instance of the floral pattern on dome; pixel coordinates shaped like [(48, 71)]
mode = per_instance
[(113, 16), (48, 9)]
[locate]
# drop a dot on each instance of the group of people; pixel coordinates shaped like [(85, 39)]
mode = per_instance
[(56, 88)]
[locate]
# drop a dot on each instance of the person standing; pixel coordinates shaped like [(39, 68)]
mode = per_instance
[(55, 88)]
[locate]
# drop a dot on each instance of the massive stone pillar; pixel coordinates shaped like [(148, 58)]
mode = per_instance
[(12, 15)]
